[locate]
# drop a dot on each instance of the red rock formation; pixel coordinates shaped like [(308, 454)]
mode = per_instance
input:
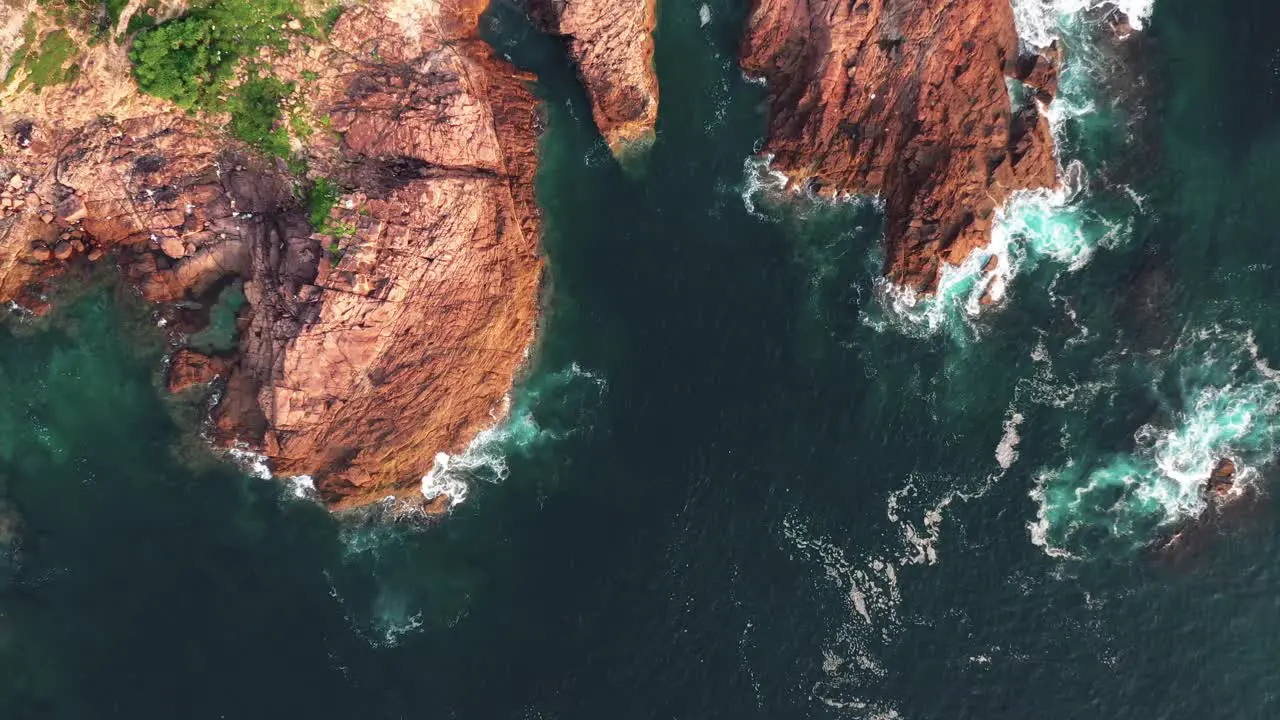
[(905, 99), (188, 368), (358, 369), (611, 42), (407, 346), (1222, 479)]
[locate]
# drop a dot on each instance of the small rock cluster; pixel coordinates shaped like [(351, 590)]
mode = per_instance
[(70, 243), (14, 199)]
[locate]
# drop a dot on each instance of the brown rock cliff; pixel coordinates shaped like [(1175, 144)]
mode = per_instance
[(611, 42), (905, 99)]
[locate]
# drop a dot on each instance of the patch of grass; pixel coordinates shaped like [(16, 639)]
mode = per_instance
[(114, 8), (20, 55), (45, 65), (255, 114), (300, 127), (321, 196), (310, 75)]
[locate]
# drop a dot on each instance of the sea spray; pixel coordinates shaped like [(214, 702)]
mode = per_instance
[(1040, 22), (760, 180)]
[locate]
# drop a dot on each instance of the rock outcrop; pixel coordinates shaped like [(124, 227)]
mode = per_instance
[(906, 100), (611, 42), (408, 343), (362, 354)]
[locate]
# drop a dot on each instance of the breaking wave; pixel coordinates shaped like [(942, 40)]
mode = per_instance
[(1217, 399), (1039, 22), (1057, 224), (485, 459)]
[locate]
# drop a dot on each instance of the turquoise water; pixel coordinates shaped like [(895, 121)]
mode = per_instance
[(741, 478)]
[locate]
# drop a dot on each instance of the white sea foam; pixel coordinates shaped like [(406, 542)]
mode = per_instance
[(443, 480), (1040, 22), (868, 585), (1007, 450), (704, 15), (758, 177), (514, 430), (302, 486), (1032, 225), (20, 312), (253, 463), (1226, 405)]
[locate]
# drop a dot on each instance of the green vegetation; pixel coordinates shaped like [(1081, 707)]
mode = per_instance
[(138, 22), (191, 60), (330, 17), (182, 61), (20, 55), (255, 114), (301, 128), (321, 197), (114, 8), (45, 59), (194, 61)]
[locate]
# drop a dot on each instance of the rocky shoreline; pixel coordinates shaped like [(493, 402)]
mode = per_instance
[(388, 327)]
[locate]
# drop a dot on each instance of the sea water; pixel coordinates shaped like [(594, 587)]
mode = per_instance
[(740, 476)]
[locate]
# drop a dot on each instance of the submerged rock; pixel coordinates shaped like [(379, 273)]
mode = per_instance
[(188, 368), (1222, 479)]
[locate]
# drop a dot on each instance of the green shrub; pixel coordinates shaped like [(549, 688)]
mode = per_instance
[(190, 60), (321, 197), (255, 114), (185, 61)]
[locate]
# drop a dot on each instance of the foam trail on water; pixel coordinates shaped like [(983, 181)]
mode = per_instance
[(1007, 450), (866, 586)]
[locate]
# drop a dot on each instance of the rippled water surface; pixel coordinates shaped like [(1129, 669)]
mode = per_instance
[(741, 479)]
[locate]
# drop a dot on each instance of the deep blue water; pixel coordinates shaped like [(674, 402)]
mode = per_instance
[(737, 482)]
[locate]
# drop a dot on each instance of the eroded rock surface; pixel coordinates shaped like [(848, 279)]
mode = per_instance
[(611, 42), (406, 346), (362, 355), (907, 100)]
